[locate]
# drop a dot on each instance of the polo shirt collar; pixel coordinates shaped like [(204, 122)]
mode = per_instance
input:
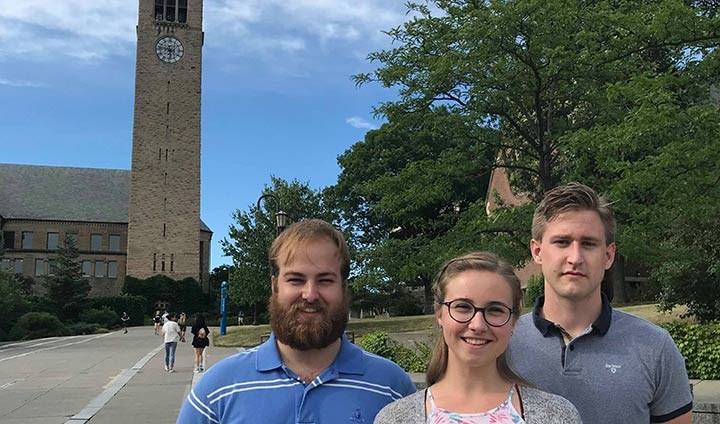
[(350, 358), (601, 324)]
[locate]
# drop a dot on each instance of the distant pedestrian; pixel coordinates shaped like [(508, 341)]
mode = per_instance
[(171, 331), (200, 341), (182, 323), (241, 318), (124, 321), (157, 319)]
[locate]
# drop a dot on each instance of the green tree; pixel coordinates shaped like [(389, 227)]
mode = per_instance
[(660, 165), (536, 70), (14, 301), (66, 289), (250, 237), (614, 94)]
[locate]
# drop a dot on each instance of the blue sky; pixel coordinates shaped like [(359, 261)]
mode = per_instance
[(277, 94)]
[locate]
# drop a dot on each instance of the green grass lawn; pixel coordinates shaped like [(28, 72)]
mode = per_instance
[(249, 335)]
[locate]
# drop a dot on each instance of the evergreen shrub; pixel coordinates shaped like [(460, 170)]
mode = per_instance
[(35, 325)]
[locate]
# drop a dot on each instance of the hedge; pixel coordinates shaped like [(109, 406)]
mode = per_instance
[(700, 345)]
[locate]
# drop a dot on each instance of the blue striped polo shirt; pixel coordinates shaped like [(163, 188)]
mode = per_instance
[(255, 386)]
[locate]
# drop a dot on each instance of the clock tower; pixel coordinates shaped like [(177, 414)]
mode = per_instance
[(164, 226)]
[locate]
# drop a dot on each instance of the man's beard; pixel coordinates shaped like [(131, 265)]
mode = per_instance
[(303, 334)]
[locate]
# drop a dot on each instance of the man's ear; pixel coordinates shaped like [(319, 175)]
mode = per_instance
[(610, 255), (273, 284), (535, 251)]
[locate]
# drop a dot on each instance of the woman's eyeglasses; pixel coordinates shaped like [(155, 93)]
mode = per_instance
[(494, 314)]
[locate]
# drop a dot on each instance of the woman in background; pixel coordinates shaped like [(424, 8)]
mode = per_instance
[(200, 341), (469, 381)]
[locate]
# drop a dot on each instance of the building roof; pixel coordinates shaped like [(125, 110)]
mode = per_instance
[(65, 194)]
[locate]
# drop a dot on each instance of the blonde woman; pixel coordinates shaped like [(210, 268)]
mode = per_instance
[(469, 382)]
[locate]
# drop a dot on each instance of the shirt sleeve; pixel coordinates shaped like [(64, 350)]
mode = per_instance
[(672, 386)]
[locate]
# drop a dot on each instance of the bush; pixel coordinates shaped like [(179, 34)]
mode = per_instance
[(700, 345), (35, 325), (183, 295), (410, 360), (534, 289), (83, 328), (133, 305), (104, 317)]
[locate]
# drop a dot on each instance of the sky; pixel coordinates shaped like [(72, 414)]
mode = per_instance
[(277, 93)]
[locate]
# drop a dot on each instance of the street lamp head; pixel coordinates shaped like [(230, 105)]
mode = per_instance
[(281, 221)]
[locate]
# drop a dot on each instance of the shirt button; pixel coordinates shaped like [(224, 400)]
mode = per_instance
[(572, 347)]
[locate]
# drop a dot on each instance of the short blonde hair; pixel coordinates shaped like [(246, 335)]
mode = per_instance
[(299, 234), (573, 197)]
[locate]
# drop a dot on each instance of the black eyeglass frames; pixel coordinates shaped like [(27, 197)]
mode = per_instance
[(494, 314)]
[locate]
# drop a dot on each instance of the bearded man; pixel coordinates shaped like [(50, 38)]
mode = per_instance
[(307, 371)]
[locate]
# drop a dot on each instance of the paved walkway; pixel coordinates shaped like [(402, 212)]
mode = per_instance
[(154, 395)]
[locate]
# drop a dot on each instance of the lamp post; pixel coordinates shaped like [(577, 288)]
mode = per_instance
[(281, 221), (281, 218)]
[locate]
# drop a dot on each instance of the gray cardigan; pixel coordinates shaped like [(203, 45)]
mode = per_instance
[(540, 408)]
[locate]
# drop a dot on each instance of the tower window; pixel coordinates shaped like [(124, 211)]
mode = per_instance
[(172, 262), (171, 11), (162, 264), (154, 261), (164, 229), (160, 154)]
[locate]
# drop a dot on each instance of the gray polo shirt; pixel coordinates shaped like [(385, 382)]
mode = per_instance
[(622, 369)]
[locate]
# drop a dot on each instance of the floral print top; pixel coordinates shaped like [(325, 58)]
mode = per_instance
[(504, 413)]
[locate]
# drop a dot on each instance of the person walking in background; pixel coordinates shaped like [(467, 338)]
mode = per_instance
[(613, 366), (307, 371), (200, 341), (157, 319), (182, 323), (171, 331), (477, 301), (124, 321)]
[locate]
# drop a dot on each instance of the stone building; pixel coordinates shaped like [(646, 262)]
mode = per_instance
[(141, 222)]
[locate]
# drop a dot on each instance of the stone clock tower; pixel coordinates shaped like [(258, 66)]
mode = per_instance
[(164, 227)]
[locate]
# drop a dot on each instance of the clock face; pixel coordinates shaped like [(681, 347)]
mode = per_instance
[(169, 49)]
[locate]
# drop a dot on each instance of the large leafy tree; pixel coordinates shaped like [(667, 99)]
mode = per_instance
[(406, 191), (660, 164), (253, 232), (574, 89), (66, 288), (536, 69)]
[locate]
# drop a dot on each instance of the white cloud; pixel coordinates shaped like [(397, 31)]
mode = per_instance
[(41, 30), (19, 83), (266, 30), (359, 122)]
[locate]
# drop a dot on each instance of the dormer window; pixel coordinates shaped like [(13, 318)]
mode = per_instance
[(171, 11)]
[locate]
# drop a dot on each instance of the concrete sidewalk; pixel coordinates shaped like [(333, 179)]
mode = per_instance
[(154, 395)]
